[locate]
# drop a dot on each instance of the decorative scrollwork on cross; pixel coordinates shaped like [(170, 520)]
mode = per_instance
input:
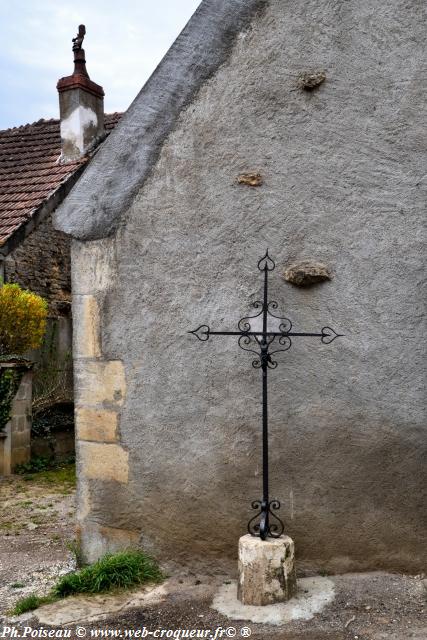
[(261, 525), (244, 325)]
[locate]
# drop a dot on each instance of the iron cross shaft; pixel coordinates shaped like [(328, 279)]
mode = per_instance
[(257, 337)]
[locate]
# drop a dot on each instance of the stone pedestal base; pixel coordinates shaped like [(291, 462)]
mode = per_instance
[(266, 570)]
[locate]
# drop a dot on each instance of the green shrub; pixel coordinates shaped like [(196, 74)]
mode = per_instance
[(39, 463), (23, 318)]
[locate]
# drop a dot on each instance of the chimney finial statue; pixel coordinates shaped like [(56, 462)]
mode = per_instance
[(78, 40), (79, 53)]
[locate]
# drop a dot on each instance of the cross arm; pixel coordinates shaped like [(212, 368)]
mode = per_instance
[(327, 334)]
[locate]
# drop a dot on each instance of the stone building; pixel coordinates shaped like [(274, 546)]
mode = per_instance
[(33, 181), (289, 125), (39, 164)]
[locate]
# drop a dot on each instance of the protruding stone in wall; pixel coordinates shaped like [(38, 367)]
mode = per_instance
[(251, 179), (306, 273), (310, 81), (266, 570), (81, 107)]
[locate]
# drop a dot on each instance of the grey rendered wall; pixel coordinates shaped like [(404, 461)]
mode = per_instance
[(343, 175)]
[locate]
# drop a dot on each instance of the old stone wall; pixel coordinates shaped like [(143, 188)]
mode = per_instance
[(41, 263), (16, 437), (169, 429)]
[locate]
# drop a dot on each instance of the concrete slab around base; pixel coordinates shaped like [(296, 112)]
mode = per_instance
[(312, 596), (89, 608)]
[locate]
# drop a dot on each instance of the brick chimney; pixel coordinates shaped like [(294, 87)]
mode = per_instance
[(81, 107)]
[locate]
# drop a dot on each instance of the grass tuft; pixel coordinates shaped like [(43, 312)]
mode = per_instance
[(113, 571), (121, 570), (75, 548), (29, 603)]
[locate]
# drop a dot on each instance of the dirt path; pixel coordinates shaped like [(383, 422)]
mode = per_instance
[(36, 525), (367, 606)]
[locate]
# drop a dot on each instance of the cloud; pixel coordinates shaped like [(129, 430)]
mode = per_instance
[(124, 43)]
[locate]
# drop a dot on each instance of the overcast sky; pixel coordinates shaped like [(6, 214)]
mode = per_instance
[(125, 40)]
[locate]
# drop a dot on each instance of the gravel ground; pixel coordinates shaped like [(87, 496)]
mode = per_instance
[(36, 523)]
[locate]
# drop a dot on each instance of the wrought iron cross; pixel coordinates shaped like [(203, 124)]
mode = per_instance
[(259, 342)]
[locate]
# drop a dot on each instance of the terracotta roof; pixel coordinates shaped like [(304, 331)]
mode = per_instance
[(30, 172)]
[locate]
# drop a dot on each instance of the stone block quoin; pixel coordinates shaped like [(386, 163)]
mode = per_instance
[(100, 391)]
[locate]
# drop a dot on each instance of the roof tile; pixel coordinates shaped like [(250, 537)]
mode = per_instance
[(29, 170)]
